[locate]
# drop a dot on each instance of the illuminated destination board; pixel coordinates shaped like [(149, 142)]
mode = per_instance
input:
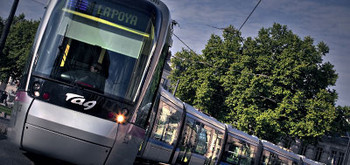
[(111, 12)]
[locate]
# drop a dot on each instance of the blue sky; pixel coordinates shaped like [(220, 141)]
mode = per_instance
[(323, 20)]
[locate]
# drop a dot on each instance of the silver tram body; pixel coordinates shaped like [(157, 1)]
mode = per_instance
[(273, 154), (63, 113), (180, 134)]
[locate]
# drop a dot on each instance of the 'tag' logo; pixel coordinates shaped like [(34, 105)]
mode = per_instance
[(80, 100)]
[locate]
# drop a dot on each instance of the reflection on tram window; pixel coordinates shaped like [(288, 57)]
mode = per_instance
[(270, 158), (167, 126), (213, 145), (80, 48), (239, 152), (201, 146)]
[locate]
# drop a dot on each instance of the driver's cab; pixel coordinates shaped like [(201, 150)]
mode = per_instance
[(87, 65)]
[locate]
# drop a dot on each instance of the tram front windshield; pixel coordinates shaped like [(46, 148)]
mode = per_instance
[(101, 46)]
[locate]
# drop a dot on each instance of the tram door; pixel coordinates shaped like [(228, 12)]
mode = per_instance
[(165, 132), (192, 147), (187, 143)]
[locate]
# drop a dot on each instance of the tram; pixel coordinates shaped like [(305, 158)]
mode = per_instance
[(181, 135), (91, 80)]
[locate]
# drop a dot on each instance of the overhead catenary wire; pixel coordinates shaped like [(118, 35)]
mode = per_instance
[(224, 29), (249, 15), (183, 43), (240, 28), (227, 69)]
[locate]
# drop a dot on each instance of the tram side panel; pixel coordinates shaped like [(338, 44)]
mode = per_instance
[(18, 117)]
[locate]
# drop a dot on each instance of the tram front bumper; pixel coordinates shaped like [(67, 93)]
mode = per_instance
[(64, 147), (68, 135)]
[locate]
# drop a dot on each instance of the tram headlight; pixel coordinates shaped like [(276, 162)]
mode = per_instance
[(120, 118), (36, 89), (36, 93)]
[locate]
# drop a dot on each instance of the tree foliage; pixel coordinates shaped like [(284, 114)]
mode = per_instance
[(17, 47), (274, 85)]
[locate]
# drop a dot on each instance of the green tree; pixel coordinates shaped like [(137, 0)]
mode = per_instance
[(17, 47), (273, 86), (341, 123), (200, 76)]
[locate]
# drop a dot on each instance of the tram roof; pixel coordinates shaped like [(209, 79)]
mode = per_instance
[(166, 94), (206, 118), (279, 150), (243, 135)]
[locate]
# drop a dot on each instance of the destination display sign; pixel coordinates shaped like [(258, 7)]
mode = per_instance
[(114, 13)]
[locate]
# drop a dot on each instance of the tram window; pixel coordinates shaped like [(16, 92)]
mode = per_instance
[(186, 144), (187, 133), (212, 138), (194, 137), (122, 50), (167, 126), (218, 136), (239, 152), (270, 158), (159, 127), (144, 110), (202, 141), (213, 145)]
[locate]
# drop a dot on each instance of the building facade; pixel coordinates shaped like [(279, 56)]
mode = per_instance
[(329, 150)]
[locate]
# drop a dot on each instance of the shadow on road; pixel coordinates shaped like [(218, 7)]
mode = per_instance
[(11, 154), (43, 160)]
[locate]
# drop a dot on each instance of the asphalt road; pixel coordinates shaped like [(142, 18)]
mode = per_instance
[(12, 155)]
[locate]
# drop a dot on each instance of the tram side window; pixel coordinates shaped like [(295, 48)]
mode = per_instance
[(213, 145), (187, 141), (239, 152), (144, 110), (167, 126), (201, 147), (216, 147), (270, 158)]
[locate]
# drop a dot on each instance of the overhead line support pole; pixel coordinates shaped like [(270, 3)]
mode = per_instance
[(6, 29)]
